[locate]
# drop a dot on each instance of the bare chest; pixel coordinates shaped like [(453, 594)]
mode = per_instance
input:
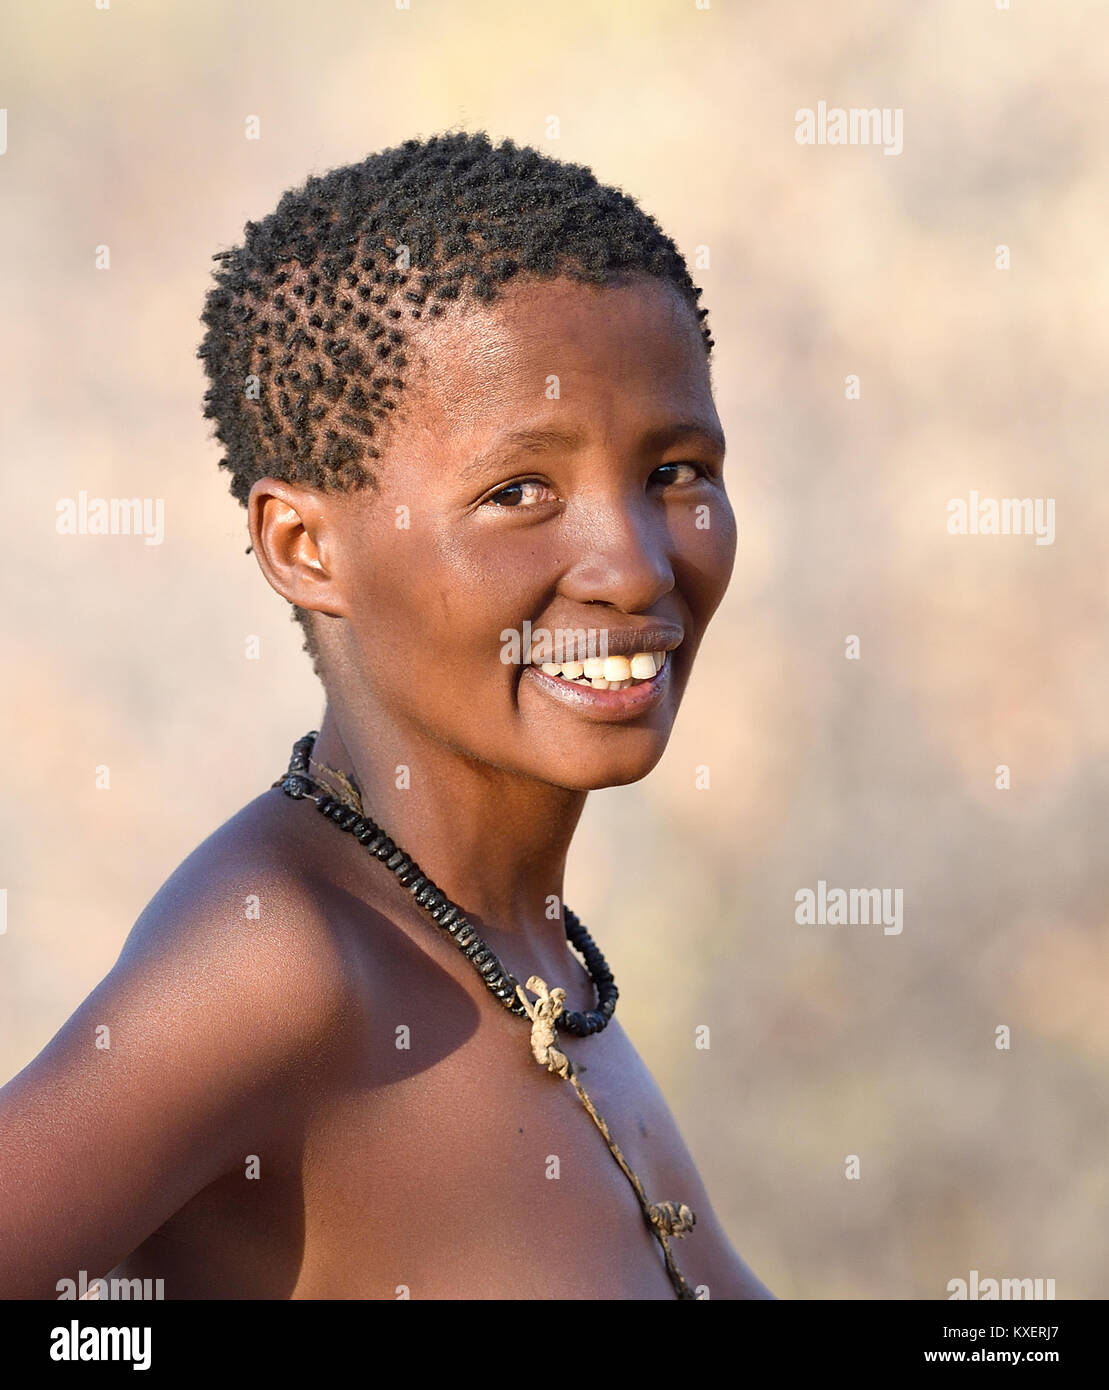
[(493, 1181), (457, 1169)]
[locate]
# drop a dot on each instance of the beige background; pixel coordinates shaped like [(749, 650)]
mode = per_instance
[(126, 128)]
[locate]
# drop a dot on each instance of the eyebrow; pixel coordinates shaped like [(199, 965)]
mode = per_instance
[(537, 441)]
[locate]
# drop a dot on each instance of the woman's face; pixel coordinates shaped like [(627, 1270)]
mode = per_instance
[(556, 461)]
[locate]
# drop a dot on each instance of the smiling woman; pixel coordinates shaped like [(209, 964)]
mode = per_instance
[(618, 532), (537, 448)]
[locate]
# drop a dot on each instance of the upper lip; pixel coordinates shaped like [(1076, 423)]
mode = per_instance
[(626, 641)]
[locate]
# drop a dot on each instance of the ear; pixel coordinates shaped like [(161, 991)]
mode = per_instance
[(291, 537)]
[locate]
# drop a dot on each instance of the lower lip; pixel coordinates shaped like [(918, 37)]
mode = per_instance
[(607, 706)]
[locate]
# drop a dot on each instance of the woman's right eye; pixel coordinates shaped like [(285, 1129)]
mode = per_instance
[(523, 494)]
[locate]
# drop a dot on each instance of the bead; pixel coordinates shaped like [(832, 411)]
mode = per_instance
[(418, 883), (448, 917), (385, 849), (302, 751), (398, 856), (295, 786)]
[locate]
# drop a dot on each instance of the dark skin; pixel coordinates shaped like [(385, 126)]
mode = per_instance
[(275, 1033)]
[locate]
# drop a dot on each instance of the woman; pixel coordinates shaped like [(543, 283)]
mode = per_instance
[(464, 393)]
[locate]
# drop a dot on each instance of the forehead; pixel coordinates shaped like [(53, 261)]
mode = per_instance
[(582, 346)]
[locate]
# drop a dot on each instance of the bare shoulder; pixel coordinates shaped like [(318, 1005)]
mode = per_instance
[(245, 924), (235, 1008), (259, 850)]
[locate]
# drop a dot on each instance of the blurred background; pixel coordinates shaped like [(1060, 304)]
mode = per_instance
[(126, 129)]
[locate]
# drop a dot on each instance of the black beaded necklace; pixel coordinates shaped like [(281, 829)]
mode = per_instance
[(448, 916), (666, 1220)]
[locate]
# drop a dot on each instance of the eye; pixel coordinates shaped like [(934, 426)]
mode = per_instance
[(527, 493), (680, 473)]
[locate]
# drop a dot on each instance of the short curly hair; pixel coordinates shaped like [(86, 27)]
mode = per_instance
[(305, 348)]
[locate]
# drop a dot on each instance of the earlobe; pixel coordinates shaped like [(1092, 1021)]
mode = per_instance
[(291, 539)]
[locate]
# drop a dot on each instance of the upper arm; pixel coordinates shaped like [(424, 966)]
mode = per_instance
[(209, 1027)]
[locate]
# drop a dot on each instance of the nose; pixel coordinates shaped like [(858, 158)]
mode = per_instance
[(623, 557)]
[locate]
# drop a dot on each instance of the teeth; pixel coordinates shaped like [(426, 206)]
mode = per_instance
[(609, 672), (643, 666)]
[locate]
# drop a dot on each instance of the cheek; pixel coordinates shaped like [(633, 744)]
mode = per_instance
[(435, 605), (705, 550)]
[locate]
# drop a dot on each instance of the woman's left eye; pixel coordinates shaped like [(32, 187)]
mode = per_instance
[(687, 471), (525, 494)]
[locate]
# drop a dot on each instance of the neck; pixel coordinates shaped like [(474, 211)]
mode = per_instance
[(494, 842)]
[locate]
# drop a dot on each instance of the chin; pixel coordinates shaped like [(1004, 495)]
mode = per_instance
[(604, 769)]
